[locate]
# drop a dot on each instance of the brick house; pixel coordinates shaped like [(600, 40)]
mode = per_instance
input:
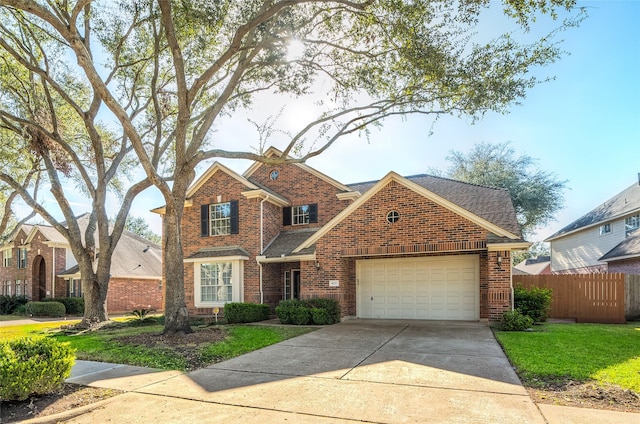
[(418, 247), (38, 263)]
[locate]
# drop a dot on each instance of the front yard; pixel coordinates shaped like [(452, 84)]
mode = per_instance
[(579, 364)]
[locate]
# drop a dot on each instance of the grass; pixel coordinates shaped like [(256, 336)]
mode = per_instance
[(555, 352), (102, 345)]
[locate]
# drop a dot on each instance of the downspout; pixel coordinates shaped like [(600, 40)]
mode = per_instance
[(513, 300), (53, 275), (261, 244)]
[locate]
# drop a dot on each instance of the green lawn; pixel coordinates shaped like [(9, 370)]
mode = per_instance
[(103, 345), (602, 352)]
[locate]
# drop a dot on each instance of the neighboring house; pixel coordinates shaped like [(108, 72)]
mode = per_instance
[(418, 247), (604, 240), (38, 263), (534, 266)]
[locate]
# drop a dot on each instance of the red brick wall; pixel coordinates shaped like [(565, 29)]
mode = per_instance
[(628, 266), (127, 294)]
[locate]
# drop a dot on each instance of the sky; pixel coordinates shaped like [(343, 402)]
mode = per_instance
[(584, 126)]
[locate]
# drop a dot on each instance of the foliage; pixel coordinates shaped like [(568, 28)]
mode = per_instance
[(536, 250), (9, 304), (534, 303), (45, 309), (73, 305), (35, 365), (536, 194), (245, 312), (170, 72), (142, 314), (138, 225), (578, 352), (515, 321), (301, 312)]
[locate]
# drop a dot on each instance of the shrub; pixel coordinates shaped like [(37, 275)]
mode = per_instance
[(10, 304), (534, 303), (515, 321), (73, 305), (35, 365), (45, 309), (301, 312), (245, 312), (142, 315)]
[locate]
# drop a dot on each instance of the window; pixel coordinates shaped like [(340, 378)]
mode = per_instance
[(215, 282), (74, 288), (22, 257), (287, 285), (18, 287), (605, 229), (393, 217), (219, 219), (299, 215), (631, 224), (7, 288), (7, 255)]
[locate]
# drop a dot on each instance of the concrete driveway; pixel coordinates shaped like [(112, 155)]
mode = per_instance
[(361, 370)]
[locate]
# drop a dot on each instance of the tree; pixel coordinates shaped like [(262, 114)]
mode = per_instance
[(173, 70), (537, 249), (49, 121), (536, 194), (138, 225)]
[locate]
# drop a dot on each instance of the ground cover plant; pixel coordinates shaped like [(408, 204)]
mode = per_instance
[(584, 362)]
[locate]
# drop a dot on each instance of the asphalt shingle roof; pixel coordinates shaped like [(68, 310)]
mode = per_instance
[(630, 246), (491, 204), (286, 241), (621, 204), (218, 252)]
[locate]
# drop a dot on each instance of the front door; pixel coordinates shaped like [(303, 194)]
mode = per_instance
[(295, 289)]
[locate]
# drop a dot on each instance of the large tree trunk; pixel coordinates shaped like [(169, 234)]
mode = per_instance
[(95, 297), (176, 314)]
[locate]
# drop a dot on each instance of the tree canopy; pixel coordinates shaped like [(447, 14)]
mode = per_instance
[(168, 72), (536, 194)]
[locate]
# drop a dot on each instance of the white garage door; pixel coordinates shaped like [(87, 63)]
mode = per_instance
[(439, 288)]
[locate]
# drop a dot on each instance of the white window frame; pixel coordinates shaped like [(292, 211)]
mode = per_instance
[(631, 224), (22, 258), (18, 287), (237, 280), (220, 219), (7, 255), (7, 288), (300, 214), (605, 229), (287, 286)]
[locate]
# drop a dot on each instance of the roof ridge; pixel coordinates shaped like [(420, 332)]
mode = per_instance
[(434, 176)]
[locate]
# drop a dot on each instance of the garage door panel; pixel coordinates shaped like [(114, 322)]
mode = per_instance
[(419, 288)]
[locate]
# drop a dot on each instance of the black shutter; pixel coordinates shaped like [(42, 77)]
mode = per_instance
[(204, 220), (313, 213), (234, 217), (286, 216)]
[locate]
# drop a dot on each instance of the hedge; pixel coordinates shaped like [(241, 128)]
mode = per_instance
[(534, 303), (308, 311), (9, 304), (33, 366), (45, 309), (245, 312), (73, 305)]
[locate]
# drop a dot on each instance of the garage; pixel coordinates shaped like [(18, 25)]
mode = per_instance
[(437, 288)]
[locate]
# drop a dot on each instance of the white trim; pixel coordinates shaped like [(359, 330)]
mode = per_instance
[(494, 247), (349, 195), (237, 282), (272, 151), (594, 224), (215, 167), (619, 258), (217, 259), (392, 176), (296, 258), (264, 195)]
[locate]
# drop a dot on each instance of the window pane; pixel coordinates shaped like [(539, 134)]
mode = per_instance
[(216, 282), (300, 214), (220, 219)]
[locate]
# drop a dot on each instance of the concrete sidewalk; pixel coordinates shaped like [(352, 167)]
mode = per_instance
[(361, 371)]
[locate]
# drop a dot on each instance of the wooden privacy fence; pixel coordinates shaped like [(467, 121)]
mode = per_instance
[(596, 298)]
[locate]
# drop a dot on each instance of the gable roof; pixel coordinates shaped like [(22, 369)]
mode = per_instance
[(533, 266), (485, 202), (273, 152), (215, 167), (626, 249), (133, 257), (285, 243), (498, 199), (624, 203)]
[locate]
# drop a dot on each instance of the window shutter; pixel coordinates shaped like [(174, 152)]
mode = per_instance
[(286, 216), (234, 217), (313, 213), (204, 220)]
